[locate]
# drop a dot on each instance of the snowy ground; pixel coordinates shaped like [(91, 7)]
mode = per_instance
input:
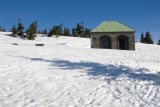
[(67, 73)]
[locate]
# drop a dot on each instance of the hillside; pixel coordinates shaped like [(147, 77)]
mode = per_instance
[(66, 72)]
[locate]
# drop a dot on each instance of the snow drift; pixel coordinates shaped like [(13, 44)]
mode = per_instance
[(66, 72)]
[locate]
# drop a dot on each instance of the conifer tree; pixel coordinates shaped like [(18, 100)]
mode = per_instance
[(65, 32), (14, 31), (2, 29), (50, 33), (39, 32), (26, 33), (142, 38), (79, 29), (56, 31), (20, 28), (87, 33), (45, 31), (68, 32), (32, 31), (148, 38), (158, 42), (74, 32)]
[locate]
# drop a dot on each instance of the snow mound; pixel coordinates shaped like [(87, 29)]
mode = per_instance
[(66, 72)]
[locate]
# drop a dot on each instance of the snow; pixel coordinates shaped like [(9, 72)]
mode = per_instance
[(66, 72)]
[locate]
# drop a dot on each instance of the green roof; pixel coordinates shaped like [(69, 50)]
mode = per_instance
[(112, 26)]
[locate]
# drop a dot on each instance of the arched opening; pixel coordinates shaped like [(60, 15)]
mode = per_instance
[(105, 42), (123, 42)]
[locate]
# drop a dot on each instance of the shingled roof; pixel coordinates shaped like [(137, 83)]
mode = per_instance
[(112, 26)]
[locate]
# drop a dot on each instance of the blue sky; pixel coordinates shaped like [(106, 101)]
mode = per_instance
[(142, 15)]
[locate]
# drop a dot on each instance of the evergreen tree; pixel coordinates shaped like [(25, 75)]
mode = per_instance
[(20, 28), (14, 31), (87, 33), (2, 29), (158, 42), (56, 31), (65, 32), (50, 33), (148, 38), (26, 33), (68, 32), (79, 29), (142, 38), (74, 32), (32, 31), (45, 31)]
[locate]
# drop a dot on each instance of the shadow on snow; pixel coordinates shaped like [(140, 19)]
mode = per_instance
[(98, 70)]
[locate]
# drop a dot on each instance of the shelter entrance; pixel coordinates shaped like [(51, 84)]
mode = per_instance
[(105, 42), (123, 43)]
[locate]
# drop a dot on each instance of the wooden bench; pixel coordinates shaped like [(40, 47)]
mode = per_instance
[(14, 43), (39, 44)]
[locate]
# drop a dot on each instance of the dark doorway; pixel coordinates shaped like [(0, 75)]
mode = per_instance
[(123, 43), (105, 42)]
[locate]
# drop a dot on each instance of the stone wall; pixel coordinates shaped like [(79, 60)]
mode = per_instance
[(114, 42)]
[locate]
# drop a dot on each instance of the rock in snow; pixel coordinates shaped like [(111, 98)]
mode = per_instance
[(68, 73)]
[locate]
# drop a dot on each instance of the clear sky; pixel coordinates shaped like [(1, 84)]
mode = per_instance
[(142, 15)]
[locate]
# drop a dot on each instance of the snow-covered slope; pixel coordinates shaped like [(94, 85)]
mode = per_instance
[(66, 72)]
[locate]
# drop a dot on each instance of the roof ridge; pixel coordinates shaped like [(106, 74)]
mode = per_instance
[(126, 25), (113, 26), (110, 21)]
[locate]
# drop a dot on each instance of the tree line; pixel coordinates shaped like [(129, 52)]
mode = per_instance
[(30, 33), (147, 38), (78, 31), (2, 29)]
